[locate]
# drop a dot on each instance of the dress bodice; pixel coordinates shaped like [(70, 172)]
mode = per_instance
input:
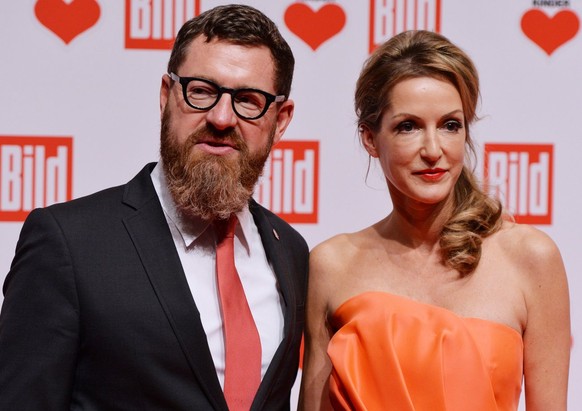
[(393, 353)]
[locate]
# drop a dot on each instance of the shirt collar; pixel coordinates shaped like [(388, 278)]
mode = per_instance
[(192, 229)]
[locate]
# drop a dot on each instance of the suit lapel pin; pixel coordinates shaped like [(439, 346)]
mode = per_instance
[(276, 234)]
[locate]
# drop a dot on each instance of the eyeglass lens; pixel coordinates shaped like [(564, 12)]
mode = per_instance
[(247, 103)]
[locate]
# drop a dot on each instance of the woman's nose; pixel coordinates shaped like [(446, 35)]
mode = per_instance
[(431, 148)]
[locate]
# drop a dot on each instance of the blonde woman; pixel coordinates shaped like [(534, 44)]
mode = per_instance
[(445, 304)]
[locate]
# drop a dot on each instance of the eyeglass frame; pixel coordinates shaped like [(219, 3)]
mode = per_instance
[(270, 98)]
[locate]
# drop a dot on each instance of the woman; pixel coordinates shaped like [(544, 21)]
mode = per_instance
[(446, 303)]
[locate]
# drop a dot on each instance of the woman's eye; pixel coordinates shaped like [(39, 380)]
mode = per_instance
[(406, 127), (453, 126)]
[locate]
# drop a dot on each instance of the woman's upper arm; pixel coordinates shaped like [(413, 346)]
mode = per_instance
[(316, 364), (547, 338)]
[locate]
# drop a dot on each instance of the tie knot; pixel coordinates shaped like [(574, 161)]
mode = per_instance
[(225, 228)]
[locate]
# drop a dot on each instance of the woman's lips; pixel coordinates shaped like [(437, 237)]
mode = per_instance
[(433, 174)]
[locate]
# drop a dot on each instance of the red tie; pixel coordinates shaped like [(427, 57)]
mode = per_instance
[(242, 374)]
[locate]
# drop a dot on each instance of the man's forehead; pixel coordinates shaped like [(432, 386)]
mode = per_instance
[(217, 59)]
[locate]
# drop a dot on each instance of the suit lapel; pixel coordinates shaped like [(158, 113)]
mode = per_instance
[(274, 251), (153, 242)]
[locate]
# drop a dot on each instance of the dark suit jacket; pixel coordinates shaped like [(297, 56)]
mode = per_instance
[(98, 314)]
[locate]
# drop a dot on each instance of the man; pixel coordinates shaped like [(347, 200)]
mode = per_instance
[(115, 301)]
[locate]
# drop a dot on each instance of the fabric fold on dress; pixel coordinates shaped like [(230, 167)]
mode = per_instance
[(393, 353)]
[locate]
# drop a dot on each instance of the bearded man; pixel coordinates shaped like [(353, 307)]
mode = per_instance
[(176, 291)]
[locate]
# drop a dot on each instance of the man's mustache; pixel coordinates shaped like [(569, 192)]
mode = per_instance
[(210, 134)]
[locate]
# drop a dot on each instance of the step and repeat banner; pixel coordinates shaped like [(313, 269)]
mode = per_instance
[(79, 109)]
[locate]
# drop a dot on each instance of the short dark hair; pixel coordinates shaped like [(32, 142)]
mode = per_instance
[(242, 25)]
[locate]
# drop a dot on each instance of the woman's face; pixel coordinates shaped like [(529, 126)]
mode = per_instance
[(421, 140)]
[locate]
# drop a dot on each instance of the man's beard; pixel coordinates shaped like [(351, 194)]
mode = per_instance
[(210, 186)]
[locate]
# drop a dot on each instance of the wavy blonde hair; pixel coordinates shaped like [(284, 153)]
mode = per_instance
[(422, 53)]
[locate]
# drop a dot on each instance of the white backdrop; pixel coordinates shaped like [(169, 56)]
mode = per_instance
[(85, 71)]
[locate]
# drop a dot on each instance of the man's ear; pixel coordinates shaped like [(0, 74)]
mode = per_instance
[(368, 141), (164, 92), (284, 116)]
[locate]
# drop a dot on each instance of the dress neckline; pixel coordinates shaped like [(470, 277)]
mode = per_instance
[(408, 300)]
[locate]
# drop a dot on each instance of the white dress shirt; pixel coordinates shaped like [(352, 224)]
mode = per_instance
[(196, 245)]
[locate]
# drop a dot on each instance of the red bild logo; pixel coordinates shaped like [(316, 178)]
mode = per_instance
[(289, 185), (34, 172), (153, 24), (390, 17), (521, 176)]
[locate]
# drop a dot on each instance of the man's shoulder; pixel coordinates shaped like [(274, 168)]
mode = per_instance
[(273, 218), (282, 227), (108, 197)]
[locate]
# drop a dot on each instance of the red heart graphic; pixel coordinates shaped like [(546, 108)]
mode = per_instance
[(315, 27), (550, 32), (67, 20)]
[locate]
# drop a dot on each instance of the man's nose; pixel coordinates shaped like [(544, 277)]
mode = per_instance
[(222, 115)]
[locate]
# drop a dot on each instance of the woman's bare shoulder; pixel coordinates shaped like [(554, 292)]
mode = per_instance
[(337, 254), (342, 245), (530, 249), (526, 240)]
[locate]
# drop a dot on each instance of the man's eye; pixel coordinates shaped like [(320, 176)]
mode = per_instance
[(201, 91), (250, 99)]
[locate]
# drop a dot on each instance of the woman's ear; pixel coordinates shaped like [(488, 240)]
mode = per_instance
[(368, 141)]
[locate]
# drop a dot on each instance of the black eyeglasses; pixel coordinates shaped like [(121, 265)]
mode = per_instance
[(247, 103)]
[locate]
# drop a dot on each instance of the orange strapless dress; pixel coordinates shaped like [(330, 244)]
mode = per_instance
[(394, 353)]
